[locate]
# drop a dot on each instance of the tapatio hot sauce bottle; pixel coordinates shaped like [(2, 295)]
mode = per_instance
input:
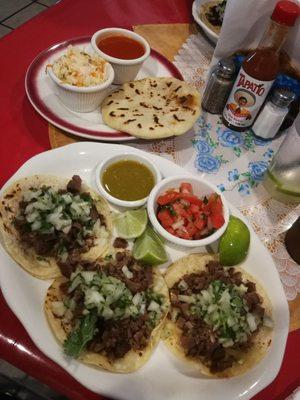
[(259, 70)]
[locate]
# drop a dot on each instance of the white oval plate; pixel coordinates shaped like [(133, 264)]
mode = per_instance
[(163, 377), (41, 93)]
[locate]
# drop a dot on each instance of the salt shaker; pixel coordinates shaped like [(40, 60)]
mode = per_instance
[(272, 115), (219, 86)]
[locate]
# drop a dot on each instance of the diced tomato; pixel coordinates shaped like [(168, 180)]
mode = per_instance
[(215, 204), (187, 216), (191, 229), (217, 220), (186, 188), (165, 218), (195, 209), (191, 199), (200, 223), (170, 230), (182, 234), (167, 198), (180, 210)]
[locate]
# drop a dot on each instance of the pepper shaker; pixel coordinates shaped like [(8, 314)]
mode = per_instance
[(268, 122), (219, 86)]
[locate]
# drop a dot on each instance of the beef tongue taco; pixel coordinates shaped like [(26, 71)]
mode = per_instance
[(49, 223), (109, 313), (220, 318)]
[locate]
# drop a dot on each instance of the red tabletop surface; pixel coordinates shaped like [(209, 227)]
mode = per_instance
[(24, 133)]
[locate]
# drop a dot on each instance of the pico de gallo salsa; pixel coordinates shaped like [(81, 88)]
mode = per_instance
[(187, 216)]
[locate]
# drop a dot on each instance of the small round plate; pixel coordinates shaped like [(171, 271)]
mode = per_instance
[(40, 92)]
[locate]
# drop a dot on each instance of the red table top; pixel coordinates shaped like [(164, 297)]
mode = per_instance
[(24, 133)]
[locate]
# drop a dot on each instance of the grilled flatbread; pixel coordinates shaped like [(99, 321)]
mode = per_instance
[(118, 344), (152, 108), (216, 350), (38, 234)]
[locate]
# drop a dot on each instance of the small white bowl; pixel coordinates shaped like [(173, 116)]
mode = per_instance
[(125, 70), (124, 156), (85, 98), (200, 188), (213, 36)]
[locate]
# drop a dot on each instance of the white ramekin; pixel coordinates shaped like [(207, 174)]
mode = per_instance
[(82, 99), (201, 188), (125, 70), (124, 156)]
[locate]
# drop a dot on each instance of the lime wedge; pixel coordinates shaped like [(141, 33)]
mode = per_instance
[(149, 248), (132, 223), (234, 244)]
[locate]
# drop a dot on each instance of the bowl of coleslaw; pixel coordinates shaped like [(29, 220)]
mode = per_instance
[(81, 79)]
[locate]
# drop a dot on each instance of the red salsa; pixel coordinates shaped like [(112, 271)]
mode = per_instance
[(186, 216), (122, 47)]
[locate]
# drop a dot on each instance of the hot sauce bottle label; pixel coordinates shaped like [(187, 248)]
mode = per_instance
[(245, 100)]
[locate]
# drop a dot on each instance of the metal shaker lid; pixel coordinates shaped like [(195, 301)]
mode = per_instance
[(282, 97), (226, 68)]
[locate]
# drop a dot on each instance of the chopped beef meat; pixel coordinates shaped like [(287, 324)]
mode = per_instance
[(199, 341), (142, 274), (259, 310), (64, 287), (197, 338), (120, 243), (94, 213), (200, 281), (43, 244), (74, 185), (116, 338), (65, 268), (250, 286), (78, 298), (252, 300), (221, 360)]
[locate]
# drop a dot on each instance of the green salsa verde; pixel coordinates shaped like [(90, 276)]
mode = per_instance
[(128, 180)]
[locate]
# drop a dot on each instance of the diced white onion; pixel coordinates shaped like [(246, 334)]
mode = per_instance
[(67, 198), (182, 285), (186, 299), (228, 343), (88, 276), (107, 313), (137, 299), (30, 194), (174, 314), (36, 225), (211, 308), (153, 306), (68, 315), (93, 297), (178, 224), (251, 322), (58, 308), (268, 322), (75, 282), (126, 272)]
